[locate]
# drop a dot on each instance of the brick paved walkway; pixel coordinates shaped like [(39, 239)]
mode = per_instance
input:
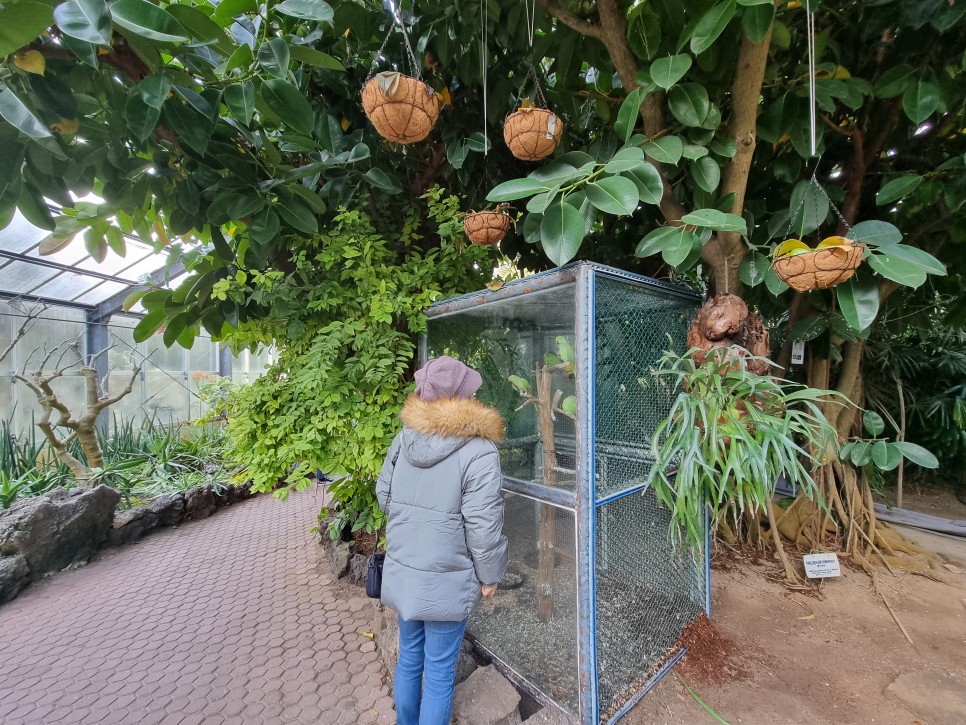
[(234, 619)]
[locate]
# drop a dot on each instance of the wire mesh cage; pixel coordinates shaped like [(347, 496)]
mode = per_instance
[(598, 592)]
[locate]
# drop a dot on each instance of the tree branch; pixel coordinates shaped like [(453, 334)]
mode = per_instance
[(32, 315), (584, 27)]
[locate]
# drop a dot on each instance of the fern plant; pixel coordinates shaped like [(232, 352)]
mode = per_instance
[(730, 434)]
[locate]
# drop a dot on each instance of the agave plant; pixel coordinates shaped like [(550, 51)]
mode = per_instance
[(729, 437)]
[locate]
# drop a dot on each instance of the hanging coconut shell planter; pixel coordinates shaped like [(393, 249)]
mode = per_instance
[(532, 133), (401, 108), (832, 262), (487, 227)]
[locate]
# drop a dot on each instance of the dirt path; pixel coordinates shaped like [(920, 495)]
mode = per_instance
[(837, 657)]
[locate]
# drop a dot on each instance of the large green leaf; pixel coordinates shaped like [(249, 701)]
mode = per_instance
[(289, 104), (201, 27), (228, 9), (614, 195), (654, 241), (154, 89), (317, 58), (87, 20), (233, 205), (273, 57), (240, 99), (148, 20), (917, 454), (516, 189), (561, 232), (689, 103), (21, 23), (16, 113), (650, 187), (808, 208), (756, 21), (706, 173), (627, 115), (885, 455), (148, 325), (896, 268), (859, 301), (142, 119), (677, 247), (85, 52), (898, 188), (643, 31), (724, 146), (35, 209), (627, 158), (753, 269), (297, 213), (875, 233), (918, 257), (895, 81), (920, 101), (264, 226), (873, 423), (711, 25), (719, 221), (190, 126), (665, 72), (306, 9), (665, 150)]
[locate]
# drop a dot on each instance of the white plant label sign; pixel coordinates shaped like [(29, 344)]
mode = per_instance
[(798, 353), (819, 566)]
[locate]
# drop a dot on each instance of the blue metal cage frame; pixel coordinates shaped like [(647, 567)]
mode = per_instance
[(584, 500)]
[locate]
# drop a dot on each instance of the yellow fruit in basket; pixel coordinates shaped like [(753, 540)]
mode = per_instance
[(790, 246), (834, 242)]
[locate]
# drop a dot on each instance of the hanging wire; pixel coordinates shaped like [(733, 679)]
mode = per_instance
[(537, 89), (531, 9), (484, 53), (812, 117)]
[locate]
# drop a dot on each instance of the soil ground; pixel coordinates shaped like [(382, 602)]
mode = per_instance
[(830, 655)]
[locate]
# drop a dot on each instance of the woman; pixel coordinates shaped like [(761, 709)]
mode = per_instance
[(440, 489)]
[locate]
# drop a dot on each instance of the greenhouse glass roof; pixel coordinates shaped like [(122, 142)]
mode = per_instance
[(71, 276)]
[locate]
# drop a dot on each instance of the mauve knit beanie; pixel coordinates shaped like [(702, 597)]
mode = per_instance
[(445, 377)]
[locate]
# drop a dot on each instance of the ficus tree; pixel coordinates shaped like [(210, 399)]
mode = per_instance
[(236, 127)]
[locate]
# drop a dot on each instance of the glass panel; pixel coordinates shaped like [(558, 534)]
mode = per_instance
[(111, 265), (513, 337), (203, 357), (20, 235), (22, 277), (165, 397), (143, 266), (648, 591), (633, 326), (66, 286), (73, 253), (541, 649), (122, 358)]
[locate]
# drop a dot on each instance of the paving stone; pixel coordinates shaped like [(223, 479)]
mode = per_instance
[(231, 619), (486, 698)]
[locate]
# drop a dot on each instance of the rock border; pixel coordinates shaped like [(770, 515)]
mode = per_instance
[(66, 528)]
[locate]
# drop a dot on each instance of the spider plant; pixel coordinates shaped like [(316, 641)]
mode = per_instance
[(730, 434)]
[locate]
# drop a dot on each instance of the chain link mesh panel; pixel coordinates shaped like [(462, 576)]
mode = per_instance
[(509, 624), (511, 337), (648, 591), (635, 324)]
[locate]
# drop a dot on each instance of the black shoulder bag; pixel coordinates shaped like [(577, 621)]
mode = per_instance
[(376, 561)]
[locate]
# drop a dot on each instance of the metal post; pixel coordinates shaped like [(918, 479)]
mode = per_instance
[(586, 499), (97, 338), (224, 360)]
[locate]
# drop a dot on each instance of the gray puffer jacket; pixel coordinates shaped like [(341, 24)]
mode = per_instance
[(444, 536)]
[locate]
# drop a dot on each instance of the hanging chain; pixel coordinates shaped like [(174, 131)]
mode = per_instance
[(537, 90), (414, 65)]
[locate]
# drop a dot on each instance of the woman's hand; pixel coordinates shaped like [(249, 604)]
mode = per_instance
[(488, 591)]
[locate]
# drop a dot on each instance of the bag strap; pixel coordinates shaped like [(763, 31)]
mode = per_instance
[(395, 458)]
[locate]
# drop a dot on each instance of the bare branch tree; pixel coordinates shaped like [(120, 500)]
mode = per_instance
[(30, 316), (56, 414)]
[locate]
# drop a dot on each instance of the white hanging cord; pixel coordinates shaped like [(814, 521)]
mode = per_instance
[(531, 8), (484, 53), (812, 118)]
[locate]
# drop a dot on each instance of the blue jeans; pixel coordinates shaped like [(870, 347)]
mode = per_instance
[(427, 649)]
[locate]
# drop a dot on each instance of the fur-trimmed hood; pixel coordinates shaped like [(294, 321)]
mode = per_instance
[(435, 429)]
